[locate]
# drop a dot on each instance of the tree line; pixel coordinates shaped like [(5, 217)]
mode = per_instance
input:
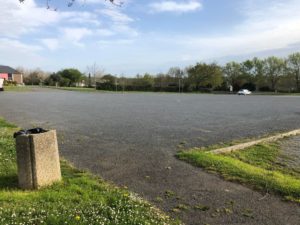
[(269, 74)]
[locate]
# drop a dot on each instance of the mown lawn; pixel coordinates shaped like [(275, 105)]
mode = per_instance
[(82, 89), (258, 167), (18, 88), (80, 198)]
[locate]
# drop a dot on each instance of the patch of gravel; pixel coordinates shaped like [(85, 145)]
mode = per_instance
[(291, 152)]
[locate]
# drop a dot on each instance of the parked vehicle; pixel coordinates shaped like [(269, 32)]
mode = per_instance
[(244, 92), (1, 84)]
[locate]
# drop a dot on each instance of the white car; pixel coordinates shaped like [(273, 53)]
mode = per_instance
[(244, 92), (1, 84)]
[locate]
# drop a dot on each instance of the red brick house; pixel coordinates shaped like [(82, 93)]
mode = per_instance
[(10, 74)]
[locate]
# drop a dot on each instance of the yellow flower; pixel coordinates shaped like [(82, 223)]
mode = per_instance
[(77, 218)]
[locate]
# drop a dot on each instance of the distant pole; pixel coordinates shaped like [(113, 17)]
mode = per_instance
[(123, 84), (94, 71), (90, 80)]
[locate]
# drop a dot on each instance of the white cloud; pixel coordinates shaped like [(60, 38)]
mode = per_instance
[(51, 43), (102, 32), (103, 2), (175, 6), (92, 1), (119, 22), (75, 35), (17, 19), (105, 43), (28, 18), (82, 18), (15, 53), (116, 15), (13, 44), (266, 27), (125, 29)]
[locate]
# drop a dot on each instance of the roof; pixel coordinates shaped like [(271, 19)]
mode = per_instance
[(7, 69)]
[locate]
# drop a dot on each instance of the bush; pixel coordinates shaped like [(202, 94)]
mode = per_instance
[(265, 88), (10, 83)]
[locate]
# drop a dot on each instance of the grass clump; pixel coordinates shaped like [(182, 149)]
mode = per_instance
[(256, 166), (201, 207), (80, 198)]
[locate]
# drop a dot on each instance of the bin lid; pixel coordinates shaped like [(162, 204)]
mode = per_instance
[(37, 130)]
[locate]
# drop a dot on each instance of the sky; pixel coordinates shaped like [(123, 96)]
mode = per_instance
[(144, 36)]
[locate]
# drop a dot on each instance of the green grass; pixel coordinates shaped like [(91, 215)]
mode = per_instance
[(119, 91), (276, 93), (267, 156), (256, 166), (18, 88), (80, 198), (82, 89)]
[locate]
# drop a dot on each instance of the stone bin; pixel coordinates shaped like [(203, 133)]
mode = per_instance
[(37, 160)]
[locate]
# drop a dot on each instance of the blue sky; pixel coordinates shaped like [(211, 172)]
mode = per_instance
[(145, 36)]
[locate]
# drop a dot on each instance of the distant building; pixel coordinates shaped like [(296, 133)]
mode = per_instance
[(10, 74)]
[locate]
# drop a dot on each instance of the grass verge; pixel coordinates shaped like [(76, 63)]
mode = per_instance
[(18, 88), (80, 198), (81, 89), (258, 166)]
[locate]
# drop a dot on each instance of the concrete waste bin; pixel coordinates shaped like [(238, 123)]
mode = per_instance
[(37, 158)]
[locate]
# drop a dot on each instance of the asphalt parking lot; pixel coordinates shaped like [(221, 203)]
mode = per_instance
[(131, 138)]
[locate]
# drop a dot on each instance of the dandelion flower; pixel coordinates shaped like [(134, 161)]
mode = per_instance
[(77, 218)]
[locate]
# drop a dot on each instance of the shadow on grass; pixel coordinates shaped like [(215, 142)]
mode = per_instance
[(8, 182)]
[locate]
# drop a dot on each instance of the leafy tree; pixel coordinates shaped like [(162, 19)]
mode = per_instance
[(293, 64), (258, 72), (247, 77), (274, 68), (148, 80), (141, 83), (70, 76), (205, 75), (64, 82), (232, 72), (287, 83), (107, 82), (247, 69), (55, 79), (109, 78)]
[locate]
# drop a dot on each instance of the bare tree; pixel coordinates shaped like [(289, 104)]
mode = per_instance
[(23, 71), (34, 77), (95, 73)]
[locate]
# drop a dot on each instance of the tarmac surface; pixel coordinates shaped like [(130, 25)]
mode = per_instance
[(130, 139)]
